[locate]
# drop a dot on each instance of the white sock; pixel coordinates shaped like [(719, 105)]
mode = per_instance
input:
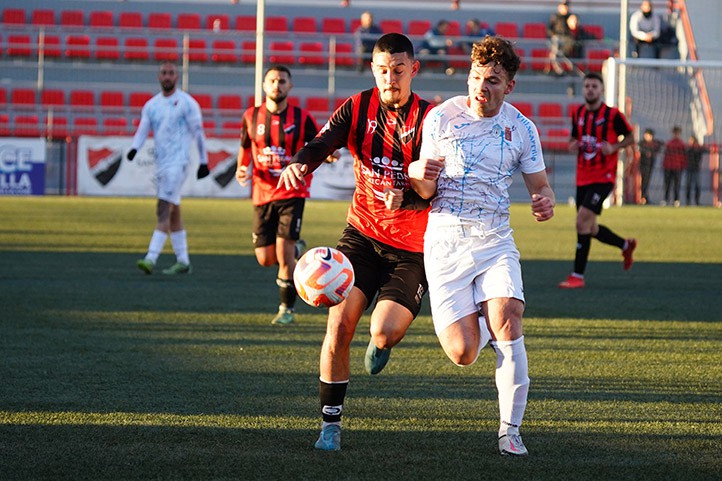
[(180, 246), (512, 382), (155, 247)]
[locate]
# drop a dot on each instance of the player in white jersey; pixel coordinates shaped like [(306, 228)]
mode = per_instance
[(176, 121), (471, 147)]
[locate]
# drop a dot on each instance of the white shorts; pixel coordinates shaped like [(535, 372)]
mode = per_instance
[(464, 270), (169, 182)]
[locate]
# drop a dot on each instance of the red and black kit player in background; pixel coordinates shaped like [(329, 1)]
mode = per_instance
[(270, 134), (599, 132), (386, 220)]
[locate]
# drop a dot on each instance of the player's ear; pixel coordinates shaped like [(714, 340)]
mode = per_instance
[(415, 67), (510, 87)]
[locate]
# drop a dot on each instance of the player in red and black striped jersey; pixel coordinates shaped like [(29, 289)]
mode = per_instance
[(270, 135), (599, 132), (386, 220)]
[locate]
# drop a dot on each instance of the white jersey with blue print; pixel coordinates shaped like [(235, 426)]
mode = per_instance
[(176, 122), (481, 156)]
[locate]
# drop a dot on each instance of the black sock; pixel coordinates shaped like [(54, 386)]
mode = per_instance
[(582, 255), (608, 237), (332, 396), (287, 292)]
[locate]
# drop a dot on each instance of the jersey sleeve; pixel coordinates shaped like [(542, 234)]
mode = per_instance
[(532, 157), (621, 126), (194, 118), (143, 129), (430, 134)]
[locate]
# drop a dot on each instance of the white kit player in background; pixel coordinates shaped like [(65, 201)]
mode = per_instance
[(176, 121), (471, 147)]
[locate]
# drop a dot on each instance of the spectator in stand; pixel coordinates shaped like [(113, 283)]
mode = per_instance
[(675, 161), (365, 36), (475, 30), (646, 28), (436, 42), (695, 151), (558, 34), (649, 147)]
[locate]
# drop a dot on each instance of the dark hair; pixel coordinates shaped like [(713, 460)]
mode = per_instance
[(278, 68), (594, 75), (496, 50), (394, 43), (649, 131)]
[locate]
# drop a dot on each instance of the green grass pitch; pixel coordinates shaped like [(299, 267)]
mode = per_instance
[(110, 374)]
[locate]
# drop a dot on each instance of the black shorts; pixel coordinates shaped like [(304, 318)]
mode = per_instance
[(385, 271), (279, 218), (592, 196)]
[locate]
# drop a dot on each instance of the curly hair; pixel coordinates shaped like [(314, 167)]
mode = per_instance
[(496, 50)]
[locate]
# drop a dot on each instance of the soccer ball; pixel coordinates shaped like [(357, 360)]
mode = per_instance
[(323, 277)]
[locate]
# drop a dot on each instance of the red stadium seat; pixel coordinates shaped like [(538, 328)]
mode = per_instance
[(311, 53), (333, 25), (540, 59), (43, 17), (85, 126), (3, 97), (19, 45), (72, 18), (419, 27), (101, 19), (165, 49), (188, 21), (205, 101), (51, 46), (136, 100), (304, 25), (77, 46), (224, 51), (556, 139), (136, 48), (130, 20), (318, 106), (526, 108), (389, 25), (507, 29), (217, 22), (345, 55), (596, 58), (355, 24), (282, 53), (23, 98), (248, 52), (229, 104), (231, 129), (52, 98), (454, 29), (160, 20), (115, 126), (112, 100), (209, 128), (56, 127), (4, 125), (596, 31), (197, 50), (27, 126), (277, 24), (82, 99), (14, 16), (551, 112), (106, 48), (534, 30), (246, 23), (522, 55)]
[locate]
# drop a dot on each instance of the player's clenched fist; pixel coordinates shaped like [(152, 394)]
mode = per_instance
[(292, 176), (426, 169), (393, 198), (542, 207)]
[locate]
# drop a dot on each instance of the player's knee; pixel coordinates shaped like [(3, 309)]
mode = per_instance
[(462, 355)]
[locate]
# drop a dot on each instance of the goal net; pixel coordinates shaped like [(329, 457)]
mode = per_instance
[(660, 94)]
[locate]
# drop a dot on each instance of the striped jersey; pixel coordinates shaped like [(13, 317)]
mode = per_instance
[(481, 155), (383, 142), (176, 121), (591, 128), (273, 139)]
